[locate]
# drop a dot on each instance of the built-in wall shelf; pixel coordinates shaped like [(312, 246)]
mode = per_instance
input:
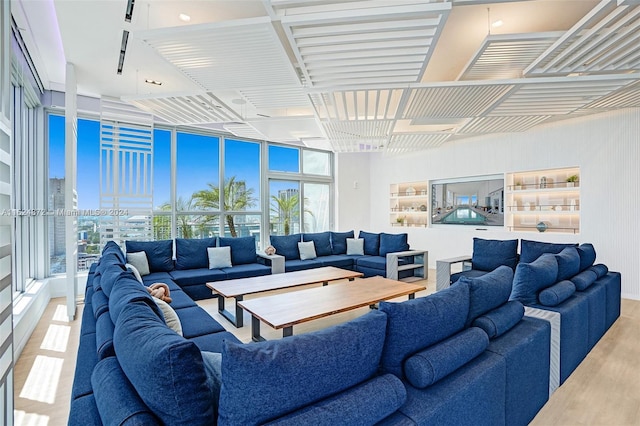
[(409, 204)]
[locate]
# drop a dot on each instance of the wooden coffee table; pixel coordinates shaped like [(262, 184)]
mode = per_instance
[(238, 288), (283, 311)]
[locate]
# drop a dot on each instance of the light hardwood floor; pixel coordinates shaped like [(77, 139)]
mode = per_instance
[(604, 389)]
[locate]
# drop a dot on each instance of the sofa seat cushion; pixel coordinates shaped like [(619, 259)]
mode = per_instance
[(179, 299), (417, 324), (321, 242), (391, 243), (490, 254), (532, 277), (568, 263), (197, 322), (584, 279), (500, 320), (587, 254), (175, 389), (286, 245), (301, 265), (531, 250), (84, 411), (246, 270), (197, 276), (376, 262), (243, 249), (557, 293), (428, 366), (266, 380), (87, 359), (116, 398), (337, 260), (159, 253), (191, 253), (470, 273), (371, 243), (160, 277), (339, 242), (363, 404), (488, 291), (213, 342)]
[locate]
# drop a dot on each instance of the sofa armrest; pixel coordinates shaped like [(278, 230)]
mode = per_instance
[(443, 270), (420, 263), (276, 262)]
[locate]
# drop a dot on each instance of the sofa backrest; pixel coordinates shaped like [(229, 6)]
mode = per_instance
[(490, 254), (159, 253), (191, 253)]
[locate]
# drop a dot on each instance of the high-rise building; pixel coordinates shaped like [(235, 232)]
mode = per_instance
[(57, 226)]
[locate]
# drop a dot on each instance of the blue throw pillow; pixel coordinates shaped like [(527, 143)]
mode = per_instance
[(531, 250), (371, 243), (417, 324), (191, 253), (584, 279), (500, 320), (568, 263), (532, 277), (339, 242), (364, 404), (430, 365), (587, 255), (489, 254), (243, 249), (263, 381), (391, 243), (557, 293), (600, 270), (166, 370), (286, 245), (159, 253), (321, 241), (488, 291)]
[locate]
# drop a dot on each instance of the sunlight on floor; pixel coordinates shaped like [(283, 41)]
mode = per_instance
[(56, 338), (61, 314), (29, 419), (43, 378)]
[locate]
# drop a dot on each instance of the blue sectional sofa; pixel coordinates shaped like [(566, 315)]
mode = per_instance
[(331, 250), (466, 355)]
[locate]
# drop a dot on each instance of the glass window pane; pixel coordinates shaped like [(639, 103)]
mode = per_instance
[(284, 159), (197, 171), (245, 225), (198, 226), (316, 163), (316, 207), (57, 251), (161, 169), (284, 215), (242, 175)]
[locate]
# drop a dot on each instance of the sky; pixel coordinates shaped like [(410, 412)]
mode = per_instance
[(197, 162)]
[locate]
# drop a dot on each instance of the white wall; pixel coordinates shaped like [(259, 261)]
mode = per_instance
[(606, 147), (353, 192)]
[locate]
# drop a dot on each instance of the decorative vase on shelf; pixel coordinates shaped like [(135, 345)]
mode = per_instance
[(541, 226)]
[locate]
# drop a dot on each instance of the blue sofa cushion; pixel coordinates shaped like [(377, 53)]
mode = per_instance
[(364, 404), (191, 253), (587, 255), (557, 293), (417, 324), (265, 380), (600, 270), (584, 279), (117, 400), (176, 387), (99, 302), (489, 254), (159, 253), (112, 247), (432, 364), (301, 265), (531, 250), (532, 277), (104, 336), (246, 270), (500, 320), (286, 245), (128, 290), (109, 276), (568, 263), (469, 273), (371, 243), (375, 262), (391, 243), (488, 291), (243, 249), (197, 276), (339, 242), (321, 241)]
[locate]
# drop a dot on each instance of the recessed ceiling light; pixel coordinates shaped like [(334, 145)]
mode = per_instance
[(184, 17), (497, 23), (156, 82)]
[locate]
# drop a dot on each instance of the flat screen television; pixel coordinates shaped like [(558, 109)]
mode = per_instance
[(470, 201)]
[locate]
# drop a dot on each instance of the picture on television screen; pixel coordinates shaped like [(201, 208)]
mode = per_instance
[(476, 201)]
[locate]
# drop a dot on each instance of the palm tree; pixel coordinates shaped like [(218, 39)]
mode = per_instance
[(237, 197), (286, 209), (161, 223)]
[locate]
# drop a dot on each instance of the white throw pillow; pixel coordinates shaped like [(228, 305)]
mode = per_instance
[(355, 246), (139, 261), (135, 271), (219, 257), (307, 250), (170, 316)]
